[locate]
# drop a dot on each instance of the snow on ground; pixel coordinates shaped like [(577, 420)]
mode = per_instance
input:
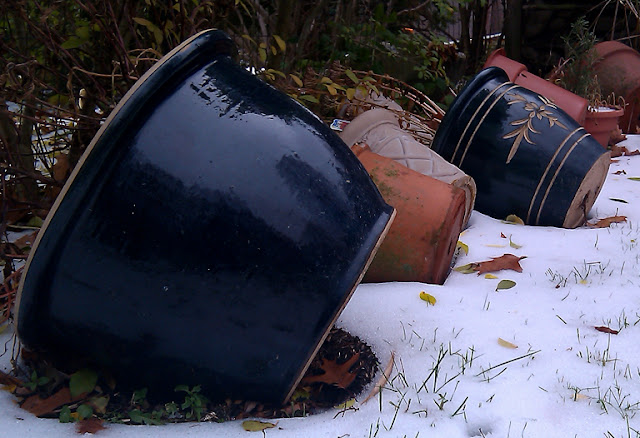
[(452, 377)]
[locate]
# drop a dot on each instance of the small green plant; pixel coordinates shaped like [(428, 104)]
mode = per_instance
[(194, 403), (577, 74), (36, 381)]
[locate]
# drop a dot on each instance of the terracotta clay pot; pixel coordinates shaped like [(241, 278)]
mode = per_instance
[(423, 237), (601, 123), (379, 129), (527, 156), (210, 235), (574, 105), (618, 70)]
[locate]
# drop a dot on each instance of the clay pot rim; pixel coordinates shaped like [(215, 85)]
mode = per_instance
[(611, 112)]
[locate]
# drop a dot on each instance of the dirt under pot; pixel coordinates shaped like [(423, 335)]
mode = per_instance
[(210, 235)]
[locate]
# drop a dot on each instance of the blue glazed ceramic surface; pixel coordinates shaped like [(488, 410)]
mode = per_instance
[(526, 155), (211, 234)]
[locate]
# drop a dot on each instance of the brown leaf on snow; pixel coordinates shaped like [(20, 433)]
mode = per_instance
[(605, 329), (618, 151), (40, 406), (604, 223), (507, 261), (89, 425), (335, 373)]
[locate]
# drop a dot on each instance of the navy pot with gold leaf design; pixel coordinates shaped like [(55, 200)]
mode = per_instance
[(527, 156), (210, 235)]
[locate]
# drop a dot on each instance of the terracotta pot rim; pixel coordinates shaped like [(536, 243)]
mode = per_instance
[(614, 112), (608, 48)]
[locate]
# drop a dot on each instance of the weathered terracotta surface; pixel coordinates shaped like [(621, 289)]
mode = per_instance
[(423, 237), (600, 124), (379, 129), (618, 69)]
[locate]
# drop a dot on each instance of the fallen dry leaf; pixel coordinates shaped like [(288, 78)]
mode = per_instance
[(504, 262), (605, 329), (604, 223), (506, 344), (616, 136), (334, 373), (428, 298), (256, 426), (40, 406), (26, 241), (89, 425), (617, 151)]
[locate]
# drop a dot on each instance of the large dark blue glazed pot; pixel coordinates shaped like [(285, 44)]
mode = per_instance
[(526, 155), (211, 234)]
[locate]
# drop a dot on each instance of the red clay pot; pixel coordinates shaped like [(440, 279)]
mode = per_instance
[(422, 239), (600, 124), (571, 103), (379, 129), (618, 70)]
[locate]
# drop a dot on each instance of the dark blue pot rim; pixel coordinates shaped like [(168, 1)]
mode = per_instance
[(462, 100)]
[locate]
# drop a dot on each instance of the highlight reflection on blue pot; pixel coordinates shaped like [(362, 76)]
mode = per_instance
[(211, 234), (526, 155)]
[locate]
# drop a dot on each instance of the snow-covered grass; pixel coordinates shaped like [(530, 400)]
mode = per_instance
[(456, 372)]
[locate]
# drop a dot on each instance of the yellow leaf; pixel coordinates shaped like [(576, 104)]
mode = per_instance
[(513, 245), (346, 405), (351, 92), (280, 42), (263, 54), (490, 276), (465, 269), (505, 284), (309, 98), (428, 298), (351, 75), (332, 90), (256, 426), (274, 50), (9, 388), (325, 80), (495, 245), (463, 246), (296, 79), (506, 344), (513, 219), (581, 397)]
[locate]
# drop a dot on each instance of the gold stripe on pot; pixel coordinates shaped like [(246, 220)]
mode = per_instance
[(546, 193), (546, 171), (455, 152), (479, 124)]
